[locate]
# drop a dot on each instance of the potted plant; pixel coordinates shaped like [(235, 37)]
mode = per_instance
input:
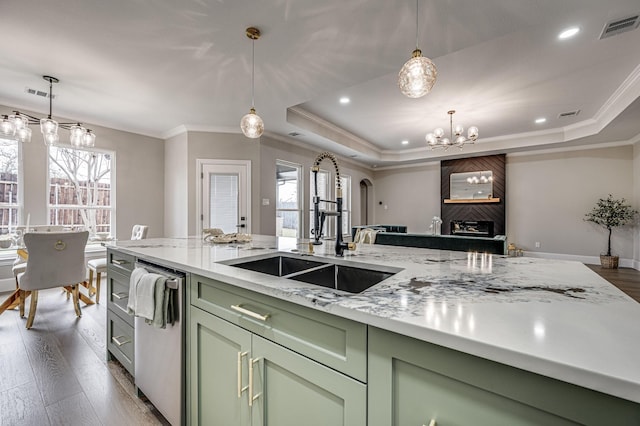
[(611, 213)]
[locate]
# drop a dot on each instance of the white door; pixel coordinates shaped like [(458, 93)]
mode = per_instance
[(225, 195)]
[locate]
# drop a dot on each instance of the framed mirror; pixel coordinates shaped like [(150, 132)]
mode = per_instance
[(471, 185)]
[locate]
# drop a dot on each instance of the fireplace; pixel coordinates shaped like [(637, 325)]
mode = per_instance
[(472, 228)]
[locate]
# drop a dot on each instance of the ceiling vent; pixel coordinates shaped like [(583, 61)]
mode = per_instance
[(294, 134), (618, 26), (569, 114), (38, 93)]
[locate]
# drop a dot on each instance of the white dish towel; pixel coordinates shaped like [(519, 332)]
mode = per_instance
[(141, 293)]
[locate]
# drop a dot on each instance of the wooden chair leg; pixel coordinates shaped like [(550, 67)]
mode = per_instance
[(21, 296), (97, 288), (92, 290), (76, 300), (32, 308)]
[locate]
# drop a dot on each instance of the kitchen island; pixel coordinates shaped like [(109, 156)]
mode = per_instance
[(548, 324)]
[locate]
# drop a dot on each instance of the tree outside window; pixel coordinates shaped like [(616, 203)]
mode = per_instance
[(80, 189), (9, 201)]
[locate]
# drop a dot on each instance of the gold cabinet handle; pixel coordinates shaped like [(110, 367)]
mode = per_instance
[(252, 397), (120, 296), (431, 423), (240, 388), (117, 341), (118, 262), (252, 314)]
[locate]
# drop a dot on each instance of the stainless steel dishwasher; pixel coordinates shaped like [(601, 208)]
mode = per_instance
[(159, 354)]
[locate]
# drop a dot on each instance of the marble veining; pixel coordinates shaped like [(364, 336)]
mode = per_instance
[(552, 317)]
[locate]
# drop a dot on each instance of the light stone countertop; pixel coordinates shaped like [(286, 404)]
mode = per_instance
[(551, 317)]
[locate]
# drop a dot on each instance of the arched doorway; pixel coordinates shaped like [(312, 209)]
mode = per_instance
[(366, 202)]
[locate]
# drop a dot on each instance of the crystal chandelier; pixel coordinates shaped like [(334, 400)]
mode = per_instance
[(418, 75), (456, 138), (16, 126), (251, 124)]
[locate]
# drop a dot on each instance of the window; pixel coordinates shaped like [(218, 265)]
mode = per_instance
[(9, 197), (288, 199), (223, 199), (80, 189), (327, 192)]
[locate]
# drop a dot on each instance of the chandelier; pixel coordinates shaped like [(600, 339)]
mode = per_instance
[(251, 124), (456, 138), (418, 75), (16, 126)]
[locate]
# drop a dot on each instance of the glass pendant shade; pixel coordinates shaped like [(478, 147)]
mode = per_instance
[(76, 135), (252, 125), (417, 76), (7, 127), (23, 135), (89, 139), (51, 139), (48, 125), (473, 133), (456, 137)]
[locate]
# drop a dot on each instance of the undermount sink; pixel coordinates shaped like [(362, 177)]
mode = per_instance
[(352, 278)]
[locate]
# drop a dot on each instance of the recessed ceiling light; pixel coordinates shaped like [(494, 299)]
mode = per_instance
[(568, 33), (344, 100), (540, 120), (405, 142)]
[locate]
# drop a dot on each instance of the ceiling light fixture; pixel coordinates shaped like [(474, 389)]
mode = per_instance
[(437, 139), (568, 33), (251, 124), (344, 100), (16, 126), (405, 142), (540, 120), (418, 75)]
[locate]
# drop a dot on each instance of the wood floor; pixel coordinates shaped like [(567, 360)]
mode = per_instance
[(56, 373)]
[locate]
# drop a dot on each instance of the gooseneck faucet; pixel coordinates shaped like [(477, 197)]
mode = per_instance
[(319, 217)]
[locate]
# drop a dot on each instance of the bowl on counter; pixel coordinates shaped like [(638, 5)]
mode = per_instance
[(102, 236)]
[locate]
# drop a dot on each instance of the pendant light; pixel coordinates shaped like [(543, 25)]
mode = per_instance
[(418, 74), (437, 139), (251, 124)]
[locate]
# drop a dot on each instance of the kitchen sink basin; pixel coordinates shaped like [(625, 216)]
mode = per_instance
[(341, 277), (279, 266), (352, 278)]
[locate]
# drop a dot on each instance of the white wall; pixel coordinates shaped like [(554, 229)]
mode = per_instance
[(549, 194), (411, 196), (176, 186)]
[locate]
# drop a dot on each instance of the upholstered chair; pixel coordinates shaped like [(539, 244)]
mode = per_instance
[(99, 266), (56, 259)]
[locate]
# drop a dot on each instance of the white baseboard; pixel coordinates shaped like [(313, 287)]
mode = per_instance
[(589, 260)]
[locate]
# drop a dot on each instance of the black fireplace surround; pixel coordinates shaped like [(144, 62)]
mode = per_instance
[(472, 228)]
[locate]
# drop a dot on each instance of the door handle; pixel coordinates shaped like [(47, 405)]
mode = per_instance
[(252, 397), (242, 225), (240, 387)]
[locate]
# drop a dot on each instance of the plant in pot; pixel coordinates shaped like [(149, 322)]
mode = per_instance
[(611, 213)]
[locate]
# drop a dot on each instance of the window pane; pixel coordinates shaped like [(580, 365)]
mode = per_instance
[(8, 185), (323, 190), (223, 196), (80, 191), (287, 223), (288, 199)]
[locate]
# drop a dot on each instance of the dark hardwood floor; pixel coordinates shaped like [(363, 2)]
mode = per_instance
[(56, 373), (626, 279)]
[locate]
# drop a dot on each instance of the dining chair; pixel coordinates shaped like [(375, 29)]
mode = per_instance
[(99, 266), (56, 259)]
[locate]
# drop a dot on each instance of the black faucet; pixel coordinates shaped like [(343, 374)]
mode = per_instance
[(319, 217)]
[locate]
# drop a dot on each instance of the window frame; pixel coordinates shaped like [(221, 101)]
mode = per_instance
[(19, 195), (50, 207), (300, 195)]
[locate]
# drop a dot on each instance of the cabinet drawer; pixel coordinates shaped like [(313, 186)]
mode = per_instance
[(120, 341), (120, 262), (335, 342), (118, 295)]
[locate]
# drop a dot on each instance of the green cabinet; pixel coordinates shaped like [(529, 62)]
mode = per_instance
[(240, 376), (412, 382)]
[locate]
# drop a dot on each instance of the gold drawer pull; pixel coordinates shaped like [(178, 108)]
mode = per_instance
[(240, 387), (118, 262), (431, 423), (252, 314), (120, 296), (116, 340), (252, 397)]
